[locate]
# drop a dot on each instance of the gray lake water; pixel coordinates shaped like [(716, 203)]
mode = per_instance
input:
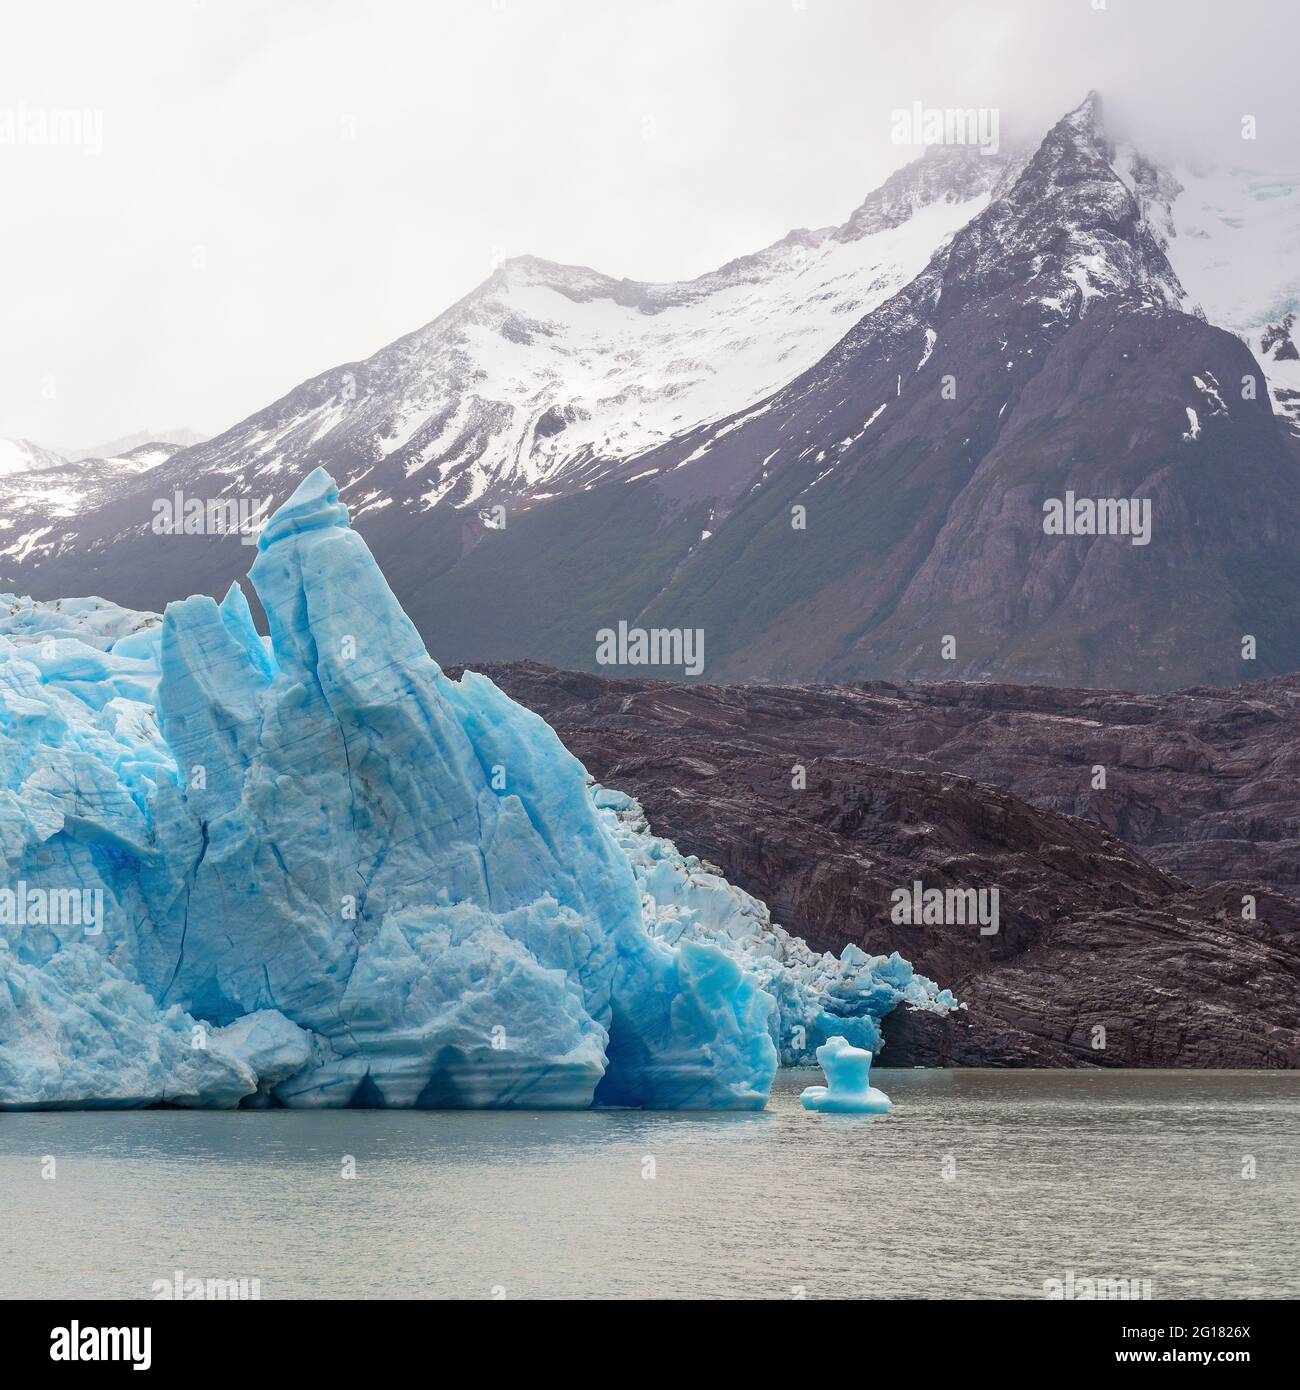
[(981, 1184)]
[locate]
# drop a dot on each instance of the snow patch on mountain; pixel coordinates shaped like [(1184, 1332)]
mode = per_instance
[(1233, 237), (22, 456), (547, 377), (43, 494)]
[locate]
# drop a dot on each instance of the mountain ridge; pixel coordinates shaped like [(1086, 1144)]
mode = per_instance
[(1068, 258), (1037, 288)]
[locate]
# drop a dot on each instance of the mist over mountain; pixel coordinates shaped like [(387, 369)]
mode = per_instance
[(180, 438)]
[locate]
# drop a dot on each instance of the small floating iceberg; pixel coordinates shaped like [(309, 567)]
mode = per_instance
[(848, 1070)]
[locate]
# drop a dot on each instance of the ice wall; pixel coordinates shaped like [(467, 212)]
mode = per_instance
[(817, 996), (311, 870)]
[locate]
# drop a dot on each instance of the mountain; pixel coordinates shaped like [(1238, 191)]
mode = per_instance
[(22, 456), (538, 384), (547, 375), (172, 440), (47, 497), (1044, 351), (983, 341)]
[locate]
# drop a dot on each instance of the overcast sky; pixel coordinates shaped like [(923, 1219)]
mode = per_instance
[(280, 187)]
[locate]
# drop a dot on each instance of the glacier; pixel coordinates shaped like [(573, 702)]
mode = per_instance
[(309, 869), (818, 996)]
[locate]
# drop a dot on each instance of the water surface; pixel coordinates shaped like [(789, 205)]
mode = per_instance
[(981, 1184)]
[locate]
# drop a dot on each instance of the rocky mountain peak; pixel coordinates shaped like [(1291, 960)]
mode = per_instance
[(1069, 230), (948, 173)]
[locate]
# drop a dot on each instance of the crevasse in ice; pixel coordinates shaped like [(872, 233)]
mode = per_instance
[(313, 871)]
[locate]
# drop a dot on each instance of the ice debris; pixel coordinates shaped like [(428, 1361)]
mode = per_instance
[(849, 1089), (311, 870)]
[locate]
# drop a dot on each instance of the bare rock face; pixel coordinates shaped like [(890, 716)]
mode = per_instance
[(1148, 921)]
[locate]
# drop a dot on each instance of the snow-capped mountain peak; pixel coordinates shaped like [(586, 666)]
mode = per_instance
[(1071, 226), (548, 375)]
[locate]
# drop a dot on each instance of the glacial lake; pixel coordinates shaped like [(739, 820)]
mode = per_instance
[(981, 1184)]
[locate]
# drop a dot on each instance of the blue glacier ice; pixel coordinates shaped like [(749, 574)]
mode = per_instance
[(817, 996), (310, 870), (848, 1076)]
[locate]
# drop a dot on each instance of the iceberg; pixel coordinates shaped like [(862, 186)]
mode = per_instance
[(308, 869), (848, 1090)]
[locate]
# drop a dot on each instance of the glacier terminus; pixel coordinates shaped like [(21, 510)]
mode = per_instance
[(311, 870)]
